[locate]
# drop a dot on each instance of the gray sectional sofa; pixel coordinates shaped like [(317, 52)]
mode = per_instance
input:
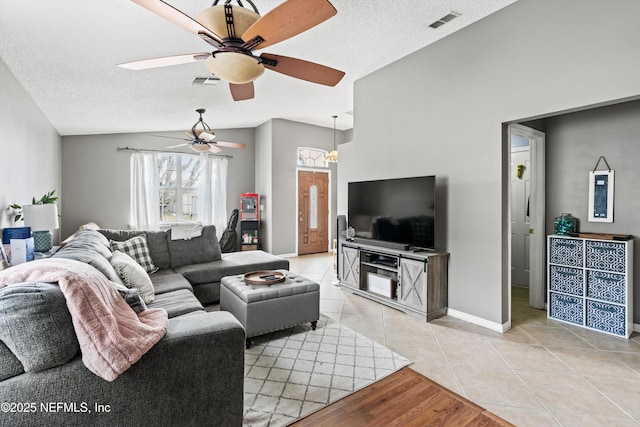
[(192, 376)]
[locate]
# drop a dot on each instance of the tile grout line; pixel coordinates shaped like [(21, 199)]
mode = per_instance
[(522, 381), (455, 377)]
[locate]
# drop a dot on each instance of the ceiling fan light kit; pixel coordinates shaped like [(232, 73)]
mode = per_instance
[(202, 139), (200, 148), (234, 67), (235, 32)]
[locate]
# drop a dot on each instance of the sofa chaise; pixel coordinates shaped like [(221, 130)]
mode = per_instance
[(192, 376)]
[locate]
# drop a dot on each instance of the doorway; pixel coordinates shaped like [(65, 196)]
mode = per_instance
[(527, 213), (313, 211)]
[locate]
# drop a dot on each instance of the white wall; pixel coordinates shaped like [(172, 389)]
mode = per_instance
[(96, 178), (440, 111), (29, 149)]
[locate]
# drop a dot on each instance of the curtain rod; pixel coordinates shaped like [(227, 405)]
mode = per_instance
[(169, 152)]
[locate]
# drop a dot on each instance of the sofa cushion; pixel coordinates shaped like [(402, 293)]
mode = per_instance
[(204, 248), (90, 239), (231, 264), (177, 302), (87, 226), (89, 255), (133, 275), (168, 280), (156, 241), (137, 248), (36, 325), (10, 366)]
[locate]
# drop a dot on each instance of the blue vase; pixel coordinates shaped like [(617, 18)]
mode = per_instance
[(564, 224)]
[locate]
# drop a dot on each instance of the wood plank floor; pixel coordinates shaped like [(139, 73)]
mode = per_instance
[(405, 398)]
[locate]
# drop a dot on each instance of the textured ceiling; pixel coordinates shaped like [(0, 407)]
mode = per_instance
[(64, 53)]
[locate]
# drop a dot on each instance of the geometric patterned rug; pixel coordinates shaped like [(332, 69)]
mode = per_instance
[(293, 373)]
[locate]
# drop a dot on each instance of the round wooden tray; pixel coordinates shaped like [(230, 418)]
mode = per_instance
[(264, 277)]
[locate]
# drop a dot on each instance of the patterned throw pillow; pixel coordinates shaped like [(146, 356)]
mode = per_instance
[(133, 275), (137, 248)]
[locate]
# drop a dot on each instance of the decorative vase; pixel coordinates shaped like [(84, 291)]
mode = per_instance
[(564, 224)]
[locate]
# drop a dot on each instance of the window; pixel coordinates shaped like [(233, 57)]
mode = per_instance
[(170, 188), (312, 157), (180, 187)]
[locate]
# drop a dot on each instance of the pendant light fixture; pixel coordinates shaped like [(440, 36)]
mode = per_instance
[(333, 155)]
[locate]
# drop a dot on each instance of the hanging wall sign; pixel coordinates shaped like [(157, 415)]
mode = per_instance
[(601, 194)]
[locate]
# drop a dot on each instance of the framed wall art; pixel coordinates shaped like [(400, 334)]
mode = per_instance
[(601, 190)]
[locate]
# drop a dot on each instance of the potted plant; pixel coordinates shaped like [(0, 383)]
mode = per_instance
[(44, 200)]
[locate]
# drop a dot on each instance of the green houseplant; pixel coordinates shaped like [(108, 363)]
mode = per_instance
[(44, 200)]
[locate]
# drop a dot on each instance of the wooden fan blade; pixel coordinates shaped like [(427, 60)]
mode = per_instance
[(305, 70), (241, 92), (214, 149), (289, 19), (179, 145), (229, 144), (172, 14), (164, 61)]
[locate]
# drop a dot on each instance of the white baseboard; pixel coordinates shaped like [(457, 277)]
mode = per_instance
[(497, 327)]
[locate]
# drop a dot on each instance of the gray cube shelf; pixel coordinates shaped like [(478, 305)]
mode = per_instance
[(590, 283)]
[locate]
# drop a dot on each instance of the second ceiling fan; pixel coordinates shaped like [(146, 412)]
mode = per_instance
[(202, 139), (235, 32)]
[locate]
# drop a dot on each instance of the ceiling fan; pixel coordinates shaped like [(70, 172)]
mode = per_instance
[(235, 32), (202, 139)]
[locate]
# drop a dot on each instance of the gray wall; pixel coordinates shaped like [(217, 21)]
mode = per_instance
[(29, 150), (574, 144), (287, 136), (441, 111), (264, 171), (96, 178)]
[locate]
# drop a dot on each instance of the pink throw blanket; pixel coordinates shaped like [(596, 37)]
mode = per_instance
[(112, 336)]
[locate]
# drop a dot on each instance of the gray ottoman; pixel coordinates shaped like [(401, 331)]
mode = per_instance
[(262, 309)]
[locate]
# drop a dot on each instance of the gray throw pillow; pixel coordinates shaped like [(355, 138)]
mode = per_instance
[(35, 324), (133, 275), (204, 248)]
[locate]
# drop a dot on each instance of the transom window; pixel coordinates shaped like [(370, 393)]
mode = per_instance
[(180, 186), (312, 157)]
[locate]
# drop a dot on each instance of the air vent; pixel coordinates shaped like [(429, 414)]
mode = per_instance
[(205, 81), (450, 16)]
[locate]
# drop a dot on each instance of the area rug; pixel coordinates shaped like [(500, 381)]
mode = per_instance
[(293, 373)]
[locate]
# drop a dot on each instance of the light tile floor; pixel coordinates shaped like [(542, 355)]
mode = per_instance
[(539, 373)]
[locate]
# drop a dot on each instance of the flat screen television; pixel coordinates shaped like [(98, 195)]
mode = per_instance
[(394, 212)]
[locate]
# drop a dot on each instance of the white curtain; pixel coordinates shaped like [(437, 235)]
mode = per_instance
[(145, 192), (213, 209)]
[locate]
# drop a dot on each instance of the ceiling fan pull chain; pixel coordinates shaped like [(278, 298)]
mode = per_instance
[(228, 14)]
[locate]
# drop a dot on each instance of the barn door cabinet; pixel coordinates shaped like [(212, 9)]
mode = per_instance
[(414, 282)]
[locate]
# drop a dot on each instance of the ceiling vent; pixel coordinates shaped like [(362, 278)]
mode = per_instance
[(450, 16), (205, 81)]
